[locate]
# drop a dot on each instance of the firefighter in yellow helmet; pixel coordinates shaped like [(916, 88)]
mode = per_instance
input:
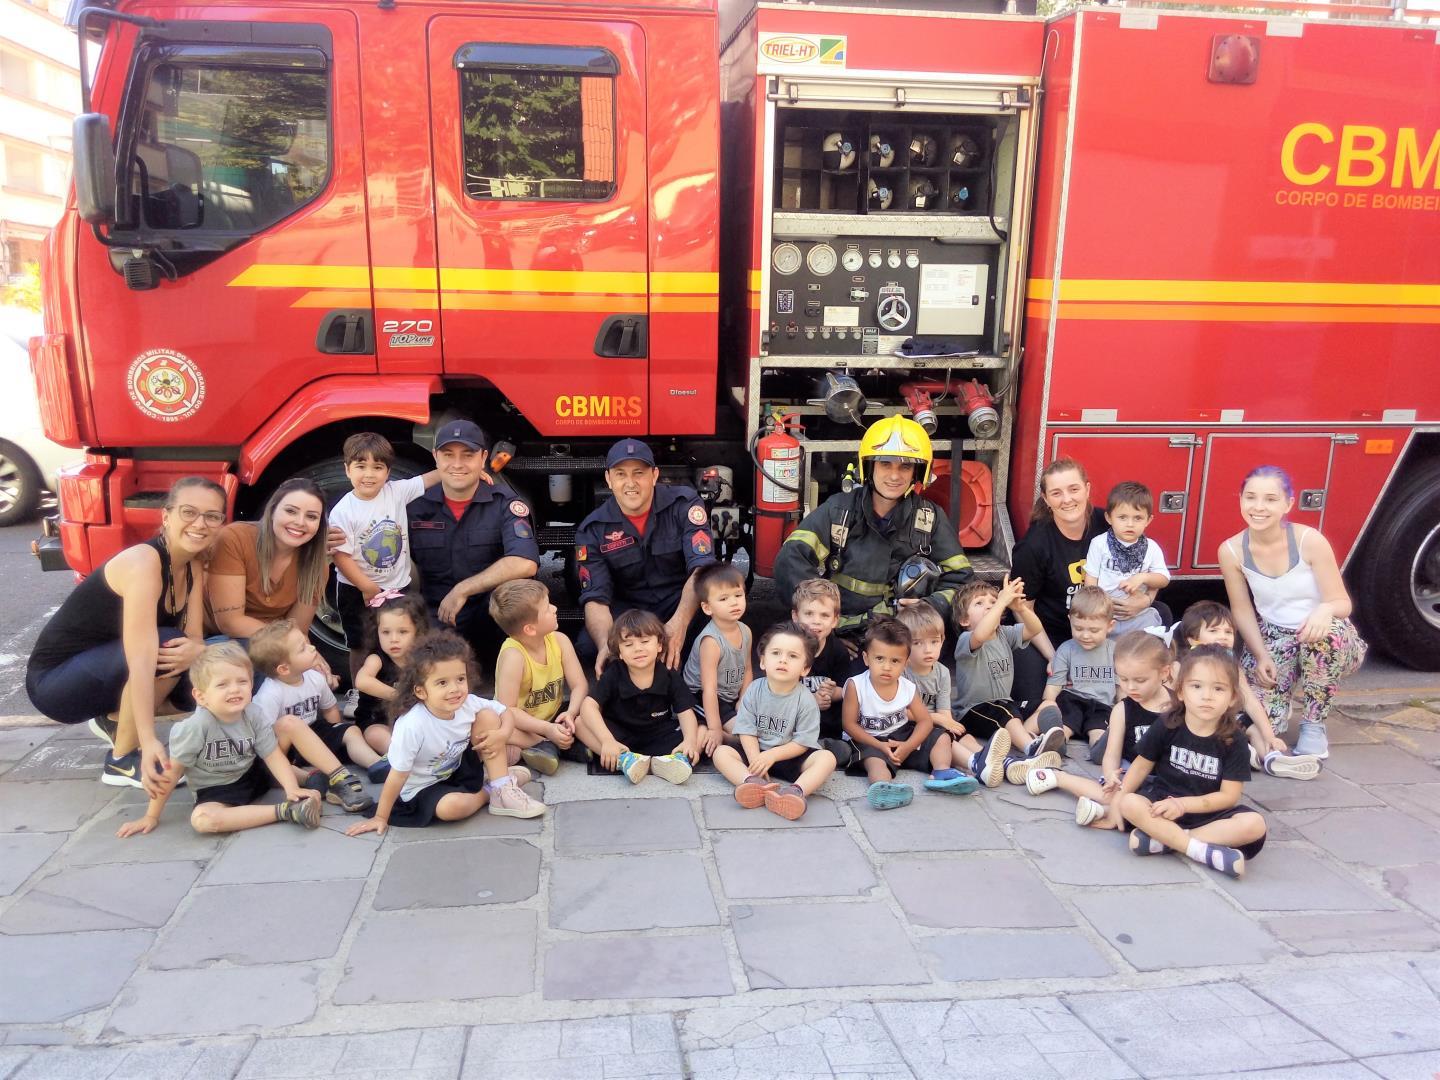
[(861, 539)]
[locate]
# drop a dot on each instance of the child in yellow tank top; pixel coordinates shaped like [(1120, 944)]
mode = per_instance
[(536, 666)]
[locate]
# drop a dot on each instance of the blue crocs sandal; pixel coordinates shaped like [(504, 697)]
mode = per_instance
[(887, 795), (953, 781)]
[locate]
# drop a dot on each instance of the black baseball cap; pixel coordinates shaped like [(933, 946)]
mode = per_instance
[(629, 450), (465, 432)]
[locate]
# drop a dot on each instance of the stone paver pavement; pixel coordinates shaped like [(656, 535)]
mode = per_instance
[(656, 931)]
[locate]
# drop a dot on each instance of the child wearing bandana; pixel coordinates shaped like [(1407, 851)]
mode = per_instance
[(1124, 561)]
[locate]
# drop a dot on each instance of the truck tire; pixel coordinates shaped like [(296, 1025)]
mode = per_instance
[(20, 485), (1396, 575)]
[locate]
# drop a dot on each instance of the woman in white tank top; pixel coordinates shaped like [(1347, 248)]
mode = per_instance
[(1290, 607)]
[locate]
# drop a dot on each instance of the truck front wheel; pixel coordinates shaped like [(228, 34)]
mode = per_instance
[(1396, 575)]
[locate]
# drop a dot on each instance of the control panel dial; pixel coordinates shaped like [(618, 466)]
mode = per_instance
[(785, 258), (821, 260)]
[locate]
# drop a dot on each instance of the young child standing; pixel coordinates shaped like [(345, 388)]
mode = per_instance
[(447, 757), (1209, 623), (1182, 792), (297, 701), (1142, 673), (536, 665), (1080, 691), (815, 606), (392, 628), (375, 556), (985, 764), (985, 672), (228, 750), (1124, 561), (888, 722), (718, 668), (641, 718), (778, 724)]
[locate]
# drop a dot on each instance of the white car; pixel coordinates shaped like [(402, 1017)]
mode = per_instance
[(28, 460)]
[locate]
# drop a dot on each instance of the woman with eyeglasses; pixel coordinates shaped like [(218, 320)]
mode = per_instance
[(121, 641)]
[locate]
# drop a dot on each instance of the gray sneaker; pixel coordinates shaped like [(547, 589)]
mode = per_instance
[(1312, 740)]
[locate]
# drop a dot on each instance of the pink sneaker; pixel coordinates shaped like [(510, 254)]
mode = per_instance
[(510, 800)]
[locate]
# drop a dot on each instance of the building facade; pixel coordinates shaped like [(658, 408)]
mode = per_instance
[(39, 97)]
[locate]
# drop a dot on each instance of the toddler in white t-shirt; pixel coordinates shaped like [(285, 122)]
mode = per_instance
[(1123, 560)]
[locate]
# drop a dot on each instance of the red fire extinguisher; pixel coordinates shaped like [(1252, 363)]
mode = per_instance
[(777, 458)]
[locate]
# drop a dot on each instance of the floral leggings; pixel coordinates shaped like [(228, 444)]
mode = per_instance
[(1319, 666)]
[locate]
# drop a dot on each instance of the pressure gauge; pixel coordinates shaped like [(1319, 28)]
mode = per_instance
[(892, 260), (875, 260), (912, 259), (852, 260), (821, 259), (785, 258)]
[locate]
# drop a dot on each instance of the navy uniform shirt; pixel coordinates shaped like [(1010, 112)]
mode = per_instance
[(446, 551), (622, 569)]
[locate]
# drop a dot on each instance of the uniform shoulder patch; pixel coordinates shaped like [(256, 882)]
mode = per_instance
[(697, 515), (584, 577), (523, 530), (580, 553), (519, 509), (700, 543)]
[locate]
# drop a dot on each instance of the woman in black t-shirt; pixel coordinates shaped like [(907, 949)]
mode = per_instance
[(1050, 559), (1182, 792), (122, 639)]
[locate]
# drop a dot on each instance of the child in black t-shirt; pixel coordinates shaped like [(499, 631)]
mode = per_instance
[(1183, 790), (641, 717)]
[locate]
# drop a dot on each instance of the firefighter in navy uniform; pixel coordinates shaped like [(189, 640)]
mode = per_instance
[(468, 535), (640, 549), (863, 540)]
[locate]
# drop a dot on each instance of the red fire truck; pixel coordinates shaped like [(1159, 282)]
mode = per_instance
[(1173, 245)]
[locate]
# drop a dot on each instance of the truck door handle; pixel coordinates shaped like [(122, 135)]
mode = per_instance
[(622, 335), (347, 330)]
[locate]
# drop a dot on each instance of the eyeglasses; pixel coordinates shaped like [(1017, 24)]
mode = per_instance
[(187, 514)]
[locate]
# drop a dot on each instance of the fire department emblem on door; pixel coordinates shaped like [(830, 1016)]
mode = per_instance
[(165, 385)]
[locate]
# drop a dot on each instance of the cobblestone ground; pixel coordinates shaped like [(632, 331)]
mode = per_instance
[(660, 931)]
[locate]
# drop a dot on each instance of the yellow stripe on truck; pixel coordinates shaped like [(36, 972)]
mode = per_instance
[(1295, 293), (281, 276)]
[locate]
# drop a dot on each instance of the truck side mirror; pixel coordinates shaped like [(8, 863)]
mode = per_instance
[(94, 169)]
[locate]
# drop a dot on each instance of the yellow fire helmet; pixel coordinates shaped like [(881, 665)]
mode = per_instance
[(898, 438)]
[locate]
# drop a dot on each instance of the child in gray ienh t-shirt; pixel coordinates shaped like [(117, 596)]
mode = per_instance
[(1081, 687), (777, 721), (228, 751)]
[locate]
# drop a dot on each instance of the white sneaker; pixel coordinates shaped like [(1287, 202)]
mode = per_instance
[(1293, 766), (511, 800), (1088, 811), (350, 703), (1041, 780), (1254, 759)]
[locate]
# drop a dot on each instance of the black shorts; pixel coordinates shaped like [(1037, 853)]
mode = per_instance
[(651, 742), (987, 717), (789, 770), (1153, 792), (919, 758), (467, 779), (351, 605), (254, 782), (1083, 715), (369, 712), (332, 735), (727, 710)]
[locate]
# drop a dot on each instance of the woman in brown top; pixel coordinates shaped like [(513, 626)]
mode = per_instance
[(271, 569)]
